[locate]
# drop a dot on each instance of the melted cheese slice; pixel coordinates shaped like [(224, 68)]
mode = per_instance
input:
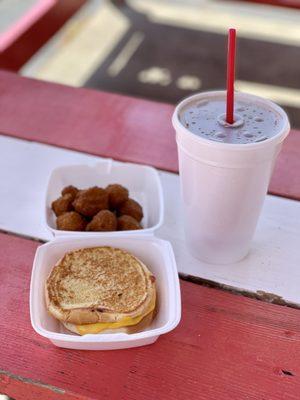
[(101, 326)]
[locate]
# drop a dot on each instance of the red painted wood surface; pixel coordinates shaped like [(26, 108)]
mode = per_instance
[(226, 347), (111, 125), (21, 388), (280, 3), (14, 56)]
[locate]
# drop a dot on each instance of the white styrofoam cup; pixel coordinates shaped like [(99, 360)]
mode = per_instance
[(224, 185)]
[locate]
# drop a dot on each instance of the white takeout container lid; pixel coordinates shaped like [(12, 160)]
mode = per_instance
[(142, 182), (155, 253)]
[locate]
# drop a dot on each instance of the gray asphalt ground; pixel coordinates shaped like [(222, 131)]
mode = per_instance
[(181, 52)]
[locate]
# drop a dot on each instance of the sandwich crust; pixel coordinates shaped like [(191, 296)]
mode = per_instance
[(99, 284)]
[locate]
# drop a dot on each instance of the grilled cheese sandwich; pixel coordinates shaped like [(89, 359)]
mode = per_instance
[(101, 289)]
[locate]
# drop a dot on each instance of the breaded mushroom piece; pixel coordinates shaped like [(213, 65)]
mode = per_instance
[(72, 190), (117, 195), (132, 208), (62, 204), (71, 221), (128, 223), (90, 201), (104, 221)]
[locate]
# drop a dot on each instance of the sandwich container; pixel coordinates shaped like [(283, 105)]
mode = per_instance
[(144, 186)]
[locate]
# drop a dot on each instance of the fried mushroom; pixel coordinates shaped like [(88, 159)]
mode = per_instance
[(71, 221), (90, 201), (117, 195), (72, 190), (62, 204), (132, 208), (128, 223), (104, 221)]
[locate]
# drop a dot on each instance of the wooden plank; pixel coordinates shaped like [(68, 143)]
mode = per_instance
[(271, 269), (87, 120), (286, 180), (272, 266), (55, 61), (19, 19), (226, 347), (17, 387), (29, 165), (278, 3), (33, 33), (111, 125)]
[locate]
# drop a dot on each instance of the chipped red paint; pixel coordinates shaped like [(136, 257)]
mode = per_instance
[(17, 387)]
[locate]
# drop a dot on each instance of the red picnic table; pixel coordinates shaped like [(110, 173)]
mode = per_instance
[(227, 346), (21, 39)]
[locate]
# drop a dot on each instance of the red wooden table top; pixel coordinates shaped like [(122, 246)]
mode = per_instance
[(226, 346), (111, 125), (280, 3)]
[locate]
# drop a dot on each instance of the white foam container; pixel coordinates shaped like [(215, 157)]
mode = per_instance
[(142, 182), (157, 254), (144, 186)]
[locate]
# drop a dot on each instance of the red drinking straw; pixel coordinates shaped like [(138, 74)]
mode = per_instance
[(230, 75)]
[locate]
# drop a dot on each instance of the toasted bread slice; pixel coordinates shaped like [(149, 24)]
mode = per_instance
[(99, 284)]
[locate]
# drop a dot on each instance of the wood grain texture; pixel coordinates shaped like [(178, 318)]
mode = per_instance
[(111, 125), (17, 387), (272, 265), (226, 347)]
